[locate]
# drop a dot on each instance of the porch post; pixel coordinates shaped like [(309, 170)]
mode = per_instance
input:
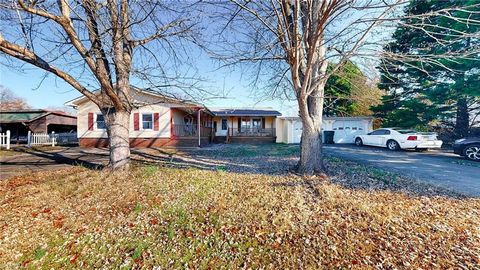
[(198, 128), (29, 138), (7, 138)]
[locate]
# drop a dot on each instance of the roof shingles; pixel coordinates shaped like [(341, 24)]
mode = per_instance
[(20, 116), (245, 112)]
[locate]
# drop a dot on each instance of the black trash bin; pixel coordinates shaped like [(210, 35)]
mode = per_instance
[(328, 135)]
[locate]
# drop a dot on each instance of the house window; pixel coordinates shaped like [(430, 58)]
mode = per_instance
[(100, 121), (224, 124), (257, 123), (147, 121), (246, 123)]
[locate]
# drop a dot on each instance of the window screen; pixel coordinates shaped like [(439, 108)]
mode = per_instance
[(147, 122), (100, 121)]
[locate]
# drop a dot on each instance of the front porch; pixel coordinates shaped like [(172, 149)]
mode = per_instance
[(190, 130), (191, 125), (251, 132), (245, 129)]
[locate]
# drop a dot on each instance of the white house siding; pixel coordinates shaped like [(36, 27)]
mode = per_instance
[(89, 107), (280, 130)]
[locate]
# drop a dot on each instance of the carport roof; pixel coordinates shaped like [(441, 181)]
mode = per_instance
[(245, 112), (24, 116), (20, 116)]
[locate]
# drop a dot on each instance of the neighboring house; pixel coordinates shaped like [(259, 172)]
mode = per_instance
[(244, 125), (289, 129), (19, 122), (158, 121)]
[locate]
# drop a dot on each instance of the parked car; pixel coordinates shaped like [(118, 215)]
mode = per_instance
[(397, 138), (468, 148)]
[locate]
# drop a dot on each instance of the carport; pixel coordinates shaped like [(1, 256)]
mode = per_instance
[(37, 121)]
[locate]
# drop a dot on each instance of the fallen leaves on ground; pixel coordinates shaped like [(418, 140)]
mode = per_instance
[(191, 218)]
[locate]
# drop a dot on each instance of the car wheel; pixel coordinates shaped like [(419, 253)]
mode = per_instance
[(393, 145), (358, 142), (472, 152)]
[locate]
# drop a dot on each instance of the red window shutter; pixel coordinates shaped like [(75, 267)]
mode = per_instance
[(156, 118), (136, 121), (90, 121)]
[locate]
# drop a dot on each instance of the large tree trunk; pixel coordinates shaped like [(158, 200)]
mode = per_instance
[(118, 133), (311, 154), (462, 119)]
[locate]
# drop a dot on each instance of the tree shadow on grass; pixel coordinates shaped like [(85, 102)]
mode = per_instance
[(344, 173), (65, 156)]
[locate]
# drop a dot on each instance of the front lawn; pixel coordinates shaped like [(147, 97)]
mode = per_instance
[(192, 218)]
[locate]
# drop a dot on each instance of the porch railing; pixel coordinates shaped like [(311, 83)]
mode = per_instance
[(190, 131), (251, 132)]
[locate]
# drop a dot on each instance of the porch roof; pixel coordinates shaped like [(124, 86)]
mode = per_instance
[(245, 112)]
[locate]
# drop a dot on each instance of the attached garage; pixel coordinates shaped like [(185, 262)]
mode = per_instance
[(346, 128)]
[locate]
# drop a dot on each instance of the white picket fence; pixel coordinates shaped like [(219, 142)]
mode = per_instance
[(5, 140), (66, 138), (41, 139)]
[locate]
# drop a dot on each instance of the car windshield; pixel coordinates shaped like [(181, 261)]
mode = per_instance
[(406, 131)]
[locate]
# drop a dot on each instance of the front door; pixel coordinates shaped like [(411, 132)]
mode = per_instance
[(222, 127), (256, 126)]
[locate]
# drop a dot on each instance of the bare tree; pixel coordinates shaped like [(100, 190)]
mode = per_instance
[(291, 42), (9, 101), (101, 45)]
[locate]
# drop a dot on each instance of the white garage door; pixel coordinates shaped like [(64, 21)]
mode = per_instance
[(345, 131), (297, 131)]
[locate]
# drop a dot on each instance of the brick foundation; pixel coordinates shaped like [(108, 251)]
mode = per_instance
[(145, 142)]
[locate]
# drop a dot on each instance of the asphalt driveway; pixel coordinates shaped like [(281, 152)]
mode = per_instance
[(435, 167)]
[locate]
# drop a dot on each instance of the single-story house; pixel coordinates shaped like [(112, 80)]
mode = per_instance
[(19, 122), (244, 125), (164, 121), (156, 122), (345, 128)]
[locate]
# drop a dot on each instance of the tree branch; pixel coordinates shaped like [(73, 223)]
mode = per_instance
[(28, 56)]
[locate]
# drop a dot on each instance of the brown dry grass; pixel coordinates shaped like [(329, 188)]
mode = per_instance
[(190, 218)]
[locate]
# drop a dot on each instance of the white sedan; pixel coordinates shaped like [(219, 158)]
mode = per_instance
[(396, 138)]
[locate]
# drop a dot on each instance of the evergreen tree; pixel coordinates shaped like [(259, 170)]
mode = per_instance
[(348, 92), (437, 89)]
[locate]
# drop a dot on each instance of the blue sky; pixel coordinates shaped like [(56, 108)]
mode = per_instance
[(42, 92), (31, 84)]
